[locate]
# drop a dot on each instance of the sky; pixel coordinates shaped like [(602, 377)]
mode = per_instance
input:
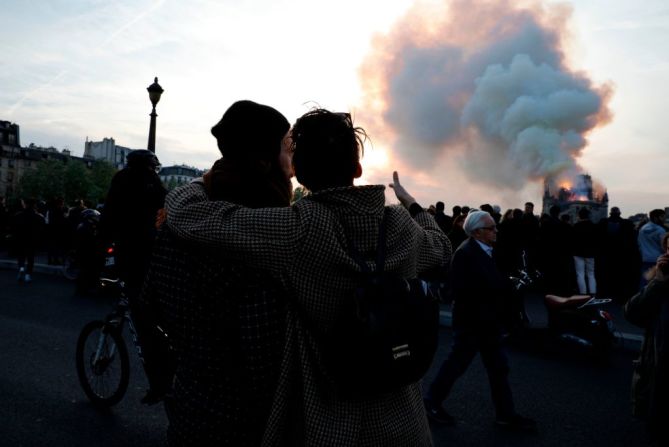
[(76, 69)]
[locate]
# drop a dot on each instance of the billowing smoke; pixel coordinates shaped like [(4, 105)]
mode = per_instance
[(485, 83)]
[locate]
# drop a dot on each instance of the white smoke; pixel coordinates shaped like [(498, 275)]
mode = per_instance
[(486, 82)]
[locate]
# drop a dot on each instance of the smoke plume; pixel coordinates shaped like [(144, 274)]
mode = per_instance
[(485, 83)]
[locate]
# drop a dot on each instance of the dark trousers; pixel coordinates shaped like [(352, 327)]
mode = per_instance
[(465, 346), (23, 255)]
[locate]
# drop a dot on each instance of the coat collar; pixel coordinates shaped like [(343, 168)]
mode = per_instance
[(368, 199)]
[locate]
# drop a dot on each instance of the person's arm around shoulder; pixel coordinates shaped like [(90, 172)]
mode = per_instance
[(265, 236), (435, 248)]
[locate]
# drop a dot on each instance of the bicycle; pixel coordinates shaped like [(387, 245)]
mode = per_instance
[(103, 365), (70, 265)]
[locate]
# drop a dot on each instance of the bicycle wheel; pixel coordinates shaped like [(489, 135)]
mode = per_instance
[(102, 362), (70, 267)]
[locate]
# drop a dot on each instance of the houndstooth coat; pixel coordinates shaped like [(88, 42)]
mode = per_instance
[(305, 247)]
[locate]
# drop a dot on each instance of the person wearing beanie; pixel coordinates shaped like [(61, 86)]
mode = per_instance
[(307, 247), (253, 167), (225, 321)]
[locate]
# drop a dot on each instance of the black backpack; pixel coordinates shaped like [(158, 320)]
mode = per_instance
[(386, 335)]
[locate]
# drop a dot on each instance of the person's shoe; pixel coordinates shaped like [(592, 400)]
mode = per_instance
[(21, 274), (436, 413), (27, 278), (516, 422)]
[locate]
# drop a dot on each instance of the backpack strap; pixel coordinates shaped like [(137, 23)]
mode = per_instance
[(380, 248)]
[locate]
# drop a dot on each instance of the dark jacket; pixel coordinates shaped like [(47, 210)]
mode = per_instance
[(456, 236), (27, 228), (129, 218), (444, 221), (226, 324), (480, 291), (585, 239)]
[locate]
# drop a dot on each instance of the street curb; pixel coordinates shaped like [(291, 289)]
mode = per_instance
[(629, 341)]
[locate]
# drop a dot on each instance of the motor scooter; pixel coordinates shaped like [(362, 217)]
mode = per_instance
[(578, 320)]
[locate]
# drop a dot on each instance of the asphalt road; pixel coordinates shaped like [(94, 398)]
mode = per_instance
[(42, 403), (576, 401)]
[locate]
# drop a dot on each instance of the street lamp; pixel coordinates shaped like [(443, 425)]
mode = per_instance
[(155, 90)]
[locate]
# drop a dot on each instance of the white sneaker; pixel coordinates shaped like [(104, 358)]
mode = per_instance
[(28, 278)]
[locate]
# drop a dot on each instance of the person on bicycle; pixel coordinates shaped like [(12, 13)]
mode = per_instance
[(128, 220)]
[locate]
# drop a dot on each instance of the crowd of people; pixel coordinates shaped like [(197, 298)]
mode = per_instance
[(34, 227), (606, 259), (248, 286)]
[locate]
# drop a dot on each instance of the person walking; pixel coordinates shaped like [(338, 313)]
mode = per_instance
[(480, 293)]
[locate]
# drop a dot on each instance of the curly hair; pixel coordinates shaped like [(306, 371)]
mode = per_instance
[(327, 148)]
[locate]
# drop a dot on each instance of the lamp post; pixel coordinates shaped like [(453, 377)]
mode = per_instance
[(155, 90)]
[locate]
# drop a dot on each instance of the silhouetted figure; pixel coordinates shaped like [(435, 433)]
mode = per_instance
[(27, 230), (129, 221), (444, 221), (456, 211), (496, 214), (618, 261), (129, 216), (650, 240), (457, 234), (56, 231), (89, 254), (529, 235), (554, 254), (225, 320), (509, 248), (74, 218), (584, 249)]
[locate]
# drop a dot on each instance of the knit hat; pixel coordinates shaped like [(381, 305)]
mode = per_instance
[(248, 129)]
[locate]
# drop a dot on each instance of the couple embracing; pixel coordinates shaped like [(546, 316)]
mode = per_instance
[(242, 281)]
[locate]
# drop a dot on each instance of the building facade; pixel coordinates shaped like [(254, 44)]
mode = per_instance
[(107, 150), (573, 198), (16, 160), (176, 175), (9, 134)]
